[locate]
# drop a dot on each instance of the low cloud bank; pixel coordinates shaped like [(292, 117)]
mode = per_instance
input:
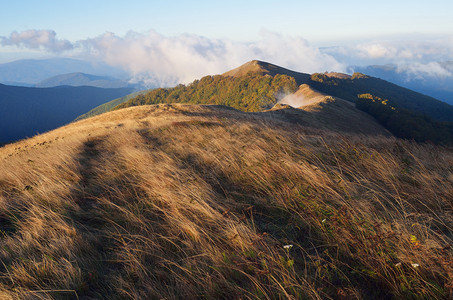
[(161, 60), (419, 71), (421, 60), (395, 51)]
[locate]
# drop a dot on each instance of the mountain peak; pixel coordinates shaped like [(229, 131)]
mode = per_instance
[(265, 68), (253, 66)]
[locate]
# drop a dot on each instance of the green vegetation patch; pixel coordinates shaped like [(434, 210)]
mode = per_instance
[(247, 93)]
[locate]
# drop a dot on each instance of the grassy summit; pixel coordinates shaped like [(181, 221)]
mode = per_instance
[(187, 201)]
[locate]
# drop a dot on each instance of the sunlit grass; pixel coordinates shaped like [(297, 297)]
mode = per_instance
[(176, 201)]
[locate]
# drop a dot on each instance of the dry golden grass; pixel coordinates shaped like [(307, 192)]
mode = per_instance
[(177, 201)]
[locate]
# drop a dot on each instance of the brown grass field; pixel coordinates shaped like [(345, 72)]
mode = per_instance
[(205, 202)]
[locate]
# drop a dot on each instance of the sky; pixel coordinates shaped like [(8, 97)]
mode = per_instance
[(317, 21), (171, 38)]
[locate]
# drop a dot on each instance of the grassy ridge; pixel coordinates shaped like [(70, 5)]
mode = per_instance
[(176, 201)]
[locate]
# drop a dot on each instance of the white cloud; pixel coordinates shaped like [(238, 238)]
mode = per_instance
[(416, 59), (397, 51), (422, 71), (35, 39), (164, 60), (375, 51), (168, 60)]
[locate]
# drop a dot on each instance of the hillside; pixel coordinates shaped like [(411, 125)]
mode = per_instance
[(257, 86), (27, 111), (248, 92), (350, 88), (220, 89), (185, 201), (319, 110), (305, 98), (82, 79)]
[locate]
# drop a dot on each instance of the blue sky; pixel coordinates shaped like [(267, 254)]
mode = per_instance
[(316, 21), (179, 41)]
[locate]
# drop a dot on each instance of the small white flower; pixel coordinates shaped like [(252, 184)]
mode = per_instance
[(415, 265), (288, 247)]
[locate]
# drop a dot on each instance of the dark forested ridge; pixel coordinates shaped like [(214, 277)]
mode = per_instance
[(404, 123), (405, 113), (357, 84), (27, 111)]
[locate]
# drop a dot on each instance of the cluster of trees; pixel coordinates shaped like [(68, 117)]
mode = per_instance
[(324, 79), (252, 92), (404, 123)]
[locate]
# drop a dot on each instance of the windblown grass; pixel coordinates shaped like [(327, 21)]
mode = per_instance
[(175, 201)]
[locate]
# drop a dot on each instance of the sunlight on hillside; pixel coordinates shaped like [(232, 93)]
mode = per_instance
[(180, 201)]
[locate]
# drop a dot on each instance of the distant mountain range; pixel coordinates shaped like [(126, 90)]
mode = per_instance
[(82, 79), (28, 72), (26, 111)]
